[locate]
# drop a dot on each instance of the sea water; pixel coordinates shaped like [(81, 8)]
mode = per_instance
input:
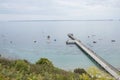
[(29, 40)]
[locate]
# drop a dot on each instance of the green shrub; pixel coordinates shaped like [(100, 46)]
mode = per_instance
[(36, 69), (98, 74), (44, 70), (79, 71), (44, 61), (33, 76), (85, 77), (22, 65), (6, 62)]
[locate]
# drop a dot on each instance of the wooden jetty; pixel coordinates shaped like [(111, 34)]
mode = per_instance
[(109, 68)]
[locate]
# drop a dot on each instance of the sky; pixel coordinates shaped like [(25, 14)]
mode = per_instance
[(59, 9)]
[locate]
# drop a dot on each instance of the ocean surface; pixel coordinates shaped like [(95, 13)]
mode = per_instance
[(29, 40)]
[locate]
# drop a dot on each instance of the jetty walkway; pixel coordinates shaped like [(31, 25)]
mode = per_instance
[(108, 67)]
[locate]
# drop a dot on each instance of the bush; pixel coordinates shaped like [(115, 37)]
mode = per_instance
[(85, 77), (21, 65), (6, 63), (98, 74), (44, 70), (44, 61), (79, 71)]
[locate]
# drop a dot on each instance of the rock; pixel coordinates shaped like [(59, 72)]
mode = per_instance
[(11, 42), (48, 37), (94, 42), (112, 40), (35, 41), (54, 39)]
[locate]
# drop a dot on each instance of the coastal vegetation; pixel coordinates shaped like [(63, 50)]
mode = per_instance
[(44, 69)]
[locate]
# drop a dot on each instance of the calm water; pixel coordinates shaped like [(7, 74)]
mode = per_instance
[(17, 41)]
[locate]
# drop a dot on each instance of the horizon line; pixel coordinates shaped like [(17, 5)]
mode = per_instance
[(67, 20)]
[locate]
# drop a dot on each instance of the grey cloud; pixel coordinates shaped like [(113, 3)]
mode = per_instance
[(60, 8), (106, 3), (29, 6)]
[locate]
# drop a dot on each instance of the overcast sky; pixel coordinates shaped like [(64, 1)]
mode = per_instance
[(59, 9)]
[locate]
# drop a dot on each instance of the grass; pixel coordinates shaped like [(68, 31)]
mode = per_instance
[(45, 70)]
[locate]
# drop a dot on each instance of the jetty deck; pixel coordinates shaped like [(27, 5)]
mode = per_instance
[(109, 68)]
